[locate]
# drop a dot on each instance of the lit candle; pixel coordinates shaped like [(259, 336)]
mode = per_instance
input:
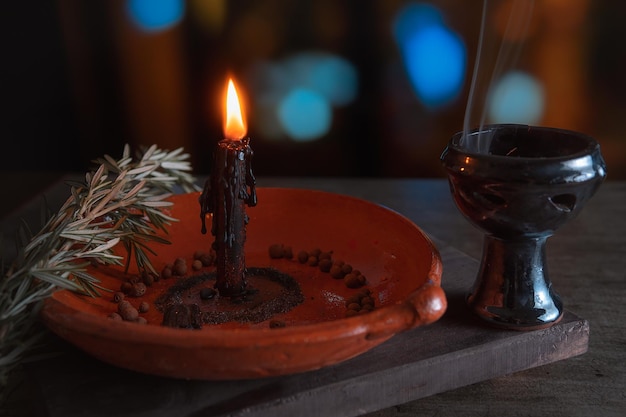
[(228, 190)]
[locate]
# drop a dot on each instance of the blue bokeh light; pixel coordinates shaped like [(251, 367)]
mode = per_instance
[(435, 61), (435, 57), (516, 98), (305, 114), (155, 15)]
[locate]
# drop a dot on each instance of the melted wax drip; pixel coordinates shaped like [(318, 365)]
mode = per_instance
[(235, 150), (231, 186)]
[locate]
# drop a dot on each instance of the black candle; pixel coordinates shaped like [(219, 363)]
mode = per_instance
[(228, 190)]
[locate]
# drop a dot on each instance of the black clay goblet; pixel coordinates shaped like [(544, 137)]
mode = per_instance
[(519, 184)]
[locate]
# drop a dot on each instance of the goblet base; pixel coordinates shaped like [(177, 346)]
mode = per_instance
[(512, 289)]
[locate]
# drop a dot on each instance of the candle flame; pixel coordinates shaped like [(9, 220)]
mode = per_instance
[(234, 126)]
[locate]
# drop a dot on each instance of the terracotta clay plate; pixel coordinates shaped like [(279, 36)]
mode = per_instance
[(402, 267)]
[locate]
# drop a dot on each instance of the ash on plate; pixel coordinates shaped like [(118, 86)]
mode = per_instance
[(192, 302)]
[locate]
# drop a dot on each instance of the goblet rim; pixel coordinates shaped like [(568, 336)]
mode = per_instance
[(591, 145)]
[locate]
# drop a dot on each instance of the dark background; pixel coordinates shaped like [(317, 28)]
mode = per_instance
[(79, 81)]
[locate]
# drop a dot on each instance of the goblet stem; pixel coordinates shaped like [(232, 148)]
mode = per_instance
[(512, 289)]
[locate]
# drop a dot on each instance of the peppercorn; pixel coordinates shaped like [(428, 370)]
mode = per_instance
[(138, 290), (312, 261), (122, 305), (207, 259), (352, 281), (144, 307), (325, 265), (180, 267), (367, 307), (129, 313), (346, 268), (141, 320), (167, 271), (336, 272), (303, 256), (147, 278), (115, 317), (196, 265), (353, 299), (126, 287), (354, 306), (277, 251), (367, 300), (118, 296)]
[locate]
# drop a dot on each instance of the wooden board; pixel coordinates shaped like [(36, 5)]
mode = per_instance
[(456, 351)]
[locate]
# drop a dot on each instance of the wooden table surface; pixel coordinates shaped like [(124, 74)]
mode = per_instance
[(587, 264)]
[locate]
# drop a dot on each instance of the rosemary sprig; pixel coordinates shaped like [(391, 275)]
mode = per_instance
[(121, 201)]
